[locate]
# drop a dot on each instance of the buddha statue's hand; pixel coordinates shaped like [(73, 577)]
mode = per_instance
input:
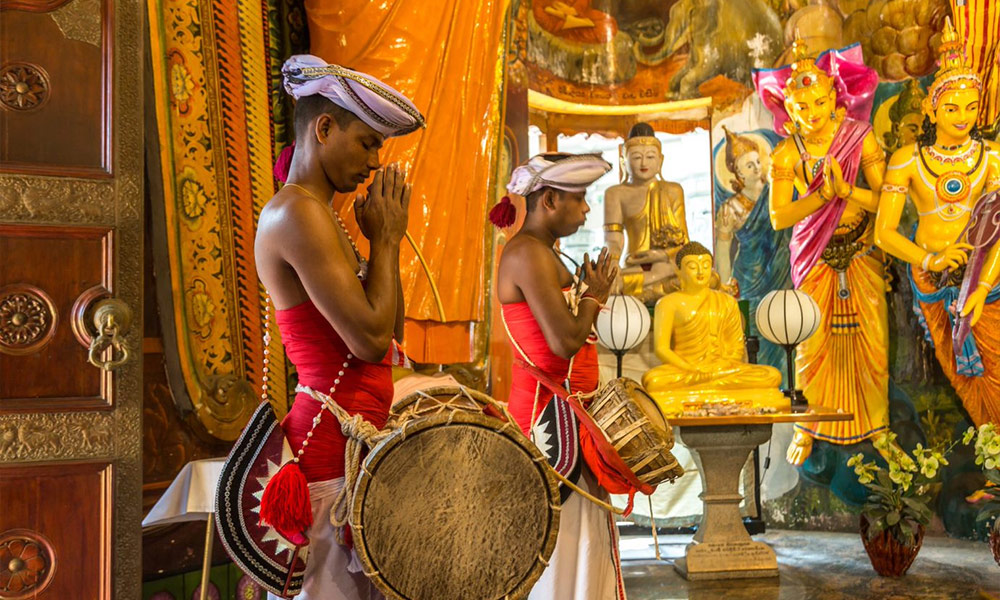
[(951, 257), (383, 213), (600, 275)]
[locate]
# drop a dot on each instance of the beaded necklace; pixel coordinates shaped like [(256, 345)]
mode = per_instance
[(362, 262)]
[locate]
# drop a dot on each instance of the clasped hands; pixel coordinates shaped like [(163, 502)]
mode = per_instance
[(834, 184), (599, 275)]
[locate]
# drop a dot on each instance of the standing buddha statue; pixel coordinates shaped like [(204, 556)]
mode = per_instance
[(945, 173), (647, 213), (822, 106)]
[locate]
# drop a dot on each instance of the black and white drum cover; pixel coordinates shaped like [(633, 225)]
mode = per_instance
[(258, 550)]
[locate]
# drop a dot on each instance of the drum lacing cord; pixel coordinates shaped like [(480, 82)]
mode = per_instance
[(358, 432)]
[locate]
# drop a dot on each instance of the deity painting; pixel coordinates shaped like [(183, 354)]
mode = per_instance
[(751, 257)]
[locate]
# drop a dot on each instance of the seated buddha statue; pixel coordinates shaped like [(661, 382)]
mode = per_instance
[(644, 219), (698, 334)]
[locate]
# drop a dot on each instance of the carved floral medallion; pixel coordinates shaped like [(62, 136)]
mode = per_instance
[(23, 86), (27, 319), (26, 564)]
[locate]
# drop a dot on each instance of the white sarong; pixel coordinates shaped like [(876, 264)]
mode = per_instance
[(333, 572), (586, 564)]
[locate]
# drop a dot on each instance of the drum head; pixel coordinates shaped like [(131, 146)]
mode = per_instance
[(648, 407), (455, 505)]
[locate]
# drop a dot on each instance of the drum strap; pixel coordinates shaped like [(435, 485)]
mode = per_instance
[(604, 448)]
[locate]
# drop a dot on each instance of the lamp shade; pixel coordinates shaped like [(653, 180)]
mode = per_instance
[(623, 323), (787, 317)]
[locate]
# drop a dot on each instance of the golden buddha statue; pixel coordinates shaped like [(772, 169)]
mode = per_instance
[(698, 334), (648, 213), (844, 365), (945, 173)]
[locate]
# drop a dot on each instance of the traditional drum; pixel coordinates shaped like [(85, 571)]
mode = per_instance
[(455, 503), (635, 428)]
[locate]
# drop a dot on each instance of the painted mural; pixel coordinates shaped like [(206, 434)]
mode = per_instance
[(645, 51)]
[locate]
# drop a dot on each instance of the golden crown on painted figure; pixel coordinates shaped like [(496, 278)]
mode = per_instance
[(736, 146), (953, 72)]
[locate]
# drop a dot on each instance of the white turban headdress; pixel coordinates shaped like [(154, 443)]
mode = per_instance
[(572, 173), (382, 108), (567, 172)]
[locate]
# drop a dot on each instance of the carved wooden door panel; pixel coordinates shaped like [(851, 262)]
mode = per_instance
[(70, 276)]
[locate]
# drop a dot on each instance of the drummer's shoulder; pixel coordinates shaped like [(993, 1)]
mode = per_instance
[(291, 213), (525, 248)]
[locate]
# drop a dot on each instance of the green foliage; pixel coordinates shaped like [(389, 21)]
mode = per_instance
[(987, 447)]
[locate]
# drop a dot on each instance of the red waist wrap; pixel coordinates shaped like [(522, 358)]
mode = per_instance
[(318, 354)]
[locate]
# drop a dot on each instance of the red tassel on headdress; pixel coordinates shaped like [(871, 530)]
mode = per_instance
[(285, 503), (284, 163), (504, 213)]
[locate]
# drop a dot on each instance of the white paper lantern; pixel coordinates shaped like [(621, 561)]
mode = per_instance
[(787, 317), (623, 323)]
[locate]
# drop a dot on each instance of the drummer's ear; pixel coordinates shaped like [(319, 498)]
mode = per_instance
[(548, 199)]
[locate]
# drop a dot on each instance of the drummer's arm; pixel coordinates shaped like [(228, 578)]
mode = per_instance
[(538, 277)]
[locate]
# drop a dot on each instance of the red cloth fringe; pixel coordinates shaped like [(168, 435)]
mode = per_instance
[(609, 478), (284, 163), (504, 213), (285, 504)]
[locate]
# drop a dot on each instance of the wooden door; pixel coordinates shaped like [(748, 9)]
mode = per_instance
[(70, 255)]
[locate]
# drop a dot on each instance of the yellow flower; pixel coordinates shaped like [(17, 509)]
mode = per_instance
[(969, 434), (929, 467)]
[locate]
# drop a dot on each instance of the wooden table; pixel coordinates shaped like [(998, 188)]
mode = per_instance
[(722, 548)]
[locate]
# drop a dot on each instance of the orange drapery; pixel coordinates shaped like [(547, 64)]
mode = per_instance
[(978, 23), (446, 56)]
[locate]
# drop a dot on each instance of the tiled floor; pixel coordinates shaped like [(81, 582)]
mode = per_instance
[(827, 566)]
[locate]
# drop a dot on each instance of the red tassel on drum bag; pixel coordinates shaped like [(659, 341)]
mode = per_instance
[(504, 213), (285, 504)]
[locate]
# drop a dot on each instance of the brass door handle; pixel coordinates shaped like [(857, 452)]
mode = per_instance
[(112, 320)]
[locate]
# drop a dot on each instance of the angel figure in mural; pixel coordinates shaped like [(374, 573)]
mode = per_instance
[(823, 107), (949, 173), (644, 219), (751, 257)]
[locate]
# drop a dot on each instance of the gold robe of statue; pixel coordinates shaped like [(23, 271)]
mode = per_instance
[(698, 334)]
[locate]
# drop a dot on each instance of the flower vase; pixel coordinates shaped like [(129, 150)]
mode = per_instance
[(995, 540), (888, 556)]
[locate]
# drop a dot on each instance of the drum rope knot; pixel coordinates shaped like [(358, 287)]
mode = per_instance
[(358, 432)]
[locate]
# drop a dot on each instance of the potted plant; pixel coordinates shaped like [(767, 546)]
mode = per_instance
[(987, 448), (897, 511)]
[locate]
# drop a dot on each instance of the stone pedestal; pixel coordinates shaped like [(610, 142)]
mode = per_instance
[(722, 548)]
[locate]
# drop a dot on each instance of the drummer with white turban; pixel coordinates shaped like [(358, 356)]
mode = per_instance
[(337, 312), (549, 313)]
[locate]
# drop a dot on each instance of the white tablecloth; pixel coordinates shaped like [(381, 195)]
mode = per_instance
[(191, 495)]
